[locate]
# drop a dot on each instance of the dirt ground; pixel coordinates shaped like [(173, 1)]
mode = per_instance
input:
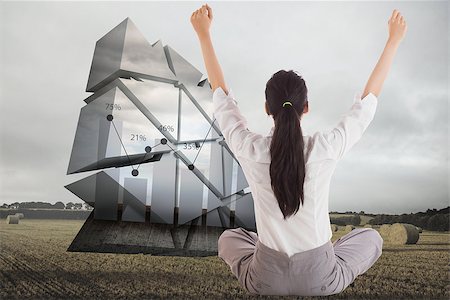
[(34, 263)]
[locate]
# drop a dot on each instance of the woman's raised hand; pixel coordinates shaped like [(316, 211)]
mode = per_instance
[(397, 27), (201, 20)]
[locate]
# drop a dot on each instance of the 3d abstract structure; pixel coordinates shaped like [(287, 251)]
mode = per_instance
[(164, 181)]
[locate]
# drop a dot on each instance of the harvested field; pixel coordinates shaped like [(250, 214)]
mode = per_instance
[(34, 264)]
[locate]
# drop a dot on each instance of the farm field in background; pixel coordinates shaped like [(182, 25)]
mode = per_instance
[(34, 264)]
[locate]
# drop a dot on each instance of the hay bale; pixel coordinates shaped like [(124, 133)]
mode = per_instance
[(20, 215), (349, 228), (384, 229), (334, 227), (419, 229), (12, 219), (367, 226), (402, 234)]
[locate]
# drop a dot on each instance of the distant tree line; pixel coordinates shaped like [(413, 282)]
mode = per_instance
[(362, 213), (46, 205), (346, 220), (432, 219)]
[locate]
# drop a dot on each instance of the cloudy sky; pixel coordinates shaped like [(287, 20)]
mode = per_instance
[(400, 165)]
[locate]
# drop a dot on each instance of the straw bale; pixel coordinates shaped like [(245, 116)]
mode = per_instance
[(12, 219), (349, 228), (402, 234)]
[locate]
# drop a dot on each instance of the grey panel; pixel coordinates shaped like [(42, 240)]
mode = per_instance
[(163, 188), (160, 98), (137, 131), (201, 98), (215, 216), (194, 126), (199, 92), (93, 143), (213, 219), (107, 195), (245, 212), (88, 136), (241, 179), (184, 70), (122, 161), (107, 55), (215, 167), (124, 48), (227, 160), (219, 217), (224, 214), (84, 189), (134, 200), (200, 173), (141, 57), (109, 139), (191, 196)]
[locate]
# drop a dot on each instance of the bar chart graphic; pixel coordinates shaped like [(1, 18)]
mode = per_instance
[(162, 180)]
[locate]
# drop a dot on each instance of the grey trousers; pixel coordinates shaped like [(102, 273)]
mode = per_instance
[(325, 270)]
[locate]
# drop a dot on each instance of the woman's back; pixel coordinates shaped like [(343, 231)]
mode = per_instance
[(310, 226)]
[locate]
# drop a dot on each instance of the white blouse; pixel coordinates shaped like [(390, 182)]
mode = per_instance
[(310, 226)]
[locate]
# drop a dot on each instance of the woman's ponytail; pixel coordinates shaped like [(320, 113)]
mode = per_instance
[(286, 96)]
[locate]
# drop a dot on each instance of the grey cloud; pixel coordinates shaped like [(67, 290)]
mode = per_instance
[(48, 48)]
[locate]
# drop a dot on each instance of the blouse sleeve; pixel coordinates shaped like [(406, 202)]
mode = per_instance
[(351, 126), (233, 125)]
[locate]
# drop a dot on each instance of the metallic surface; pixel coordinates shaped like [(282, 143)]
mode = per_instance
[(148, 127)]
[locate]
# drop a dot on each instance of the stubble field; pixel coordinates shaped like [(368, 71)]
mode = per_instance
[(34, 263)]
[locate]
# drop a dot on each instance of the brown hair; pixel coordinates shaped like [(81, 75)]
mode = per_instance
[(287, 167)]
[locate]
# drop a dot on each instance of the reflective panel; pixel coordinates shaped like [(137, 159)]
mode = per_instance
[(184, 70), (213, 218), (201, 96), (88, 136), (111, 126), (106, 195), (194, 126), (191, 196), (161, 99), (213, 203), (141, 57), (241, 180), (130, 160), (134, 199), (124, 48), (227, 171), (163, 188), (215, 165), (84, 189), (219, 217), (107, 56), (245, 212), (234, 185)]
